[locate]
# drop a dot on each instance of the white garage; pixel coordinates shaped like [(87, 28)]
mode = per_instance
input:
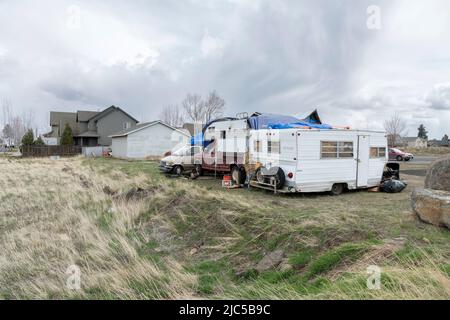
[(148, 140)]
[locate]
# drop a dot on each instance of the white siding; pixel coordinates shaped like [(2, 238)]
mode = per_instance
[(301, 155), (317, 174), (153, 141), (119, 147)]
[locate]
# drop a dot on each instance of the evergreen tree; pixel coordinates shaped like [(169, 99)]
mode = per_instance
[(67, 137), (39, 142), (423, 133), (28, 138)]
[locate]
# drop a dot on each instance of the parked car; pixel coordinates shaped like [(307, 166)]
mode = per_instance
[(181, 160), (397, 154)]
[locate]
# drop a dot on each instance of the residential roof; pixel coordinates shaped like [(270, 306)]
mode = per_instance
[(142, 126), (86, 115), (190, 127), (88, 134), (108, 111), (56, 117)]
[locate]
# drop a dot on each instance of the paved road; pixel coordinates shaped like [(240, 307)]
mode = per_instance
[(419, 160)]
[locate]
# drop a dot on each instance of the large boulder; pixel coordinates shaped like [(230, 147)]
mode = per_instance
[(270, 261), (432, 206), (438, 175)]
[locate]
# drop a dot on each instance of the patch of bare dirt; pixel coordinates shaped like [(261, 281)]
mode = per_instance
[(137, 193)]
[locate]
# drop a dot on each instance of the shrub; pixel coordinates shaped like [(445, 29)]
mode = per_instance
[(39, 142), (67, 137), (28, 138)]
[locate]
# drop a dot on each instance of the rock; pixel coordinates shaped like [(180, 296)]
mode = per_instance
[(432, 206), (438, 175), (285, 266), (270, 261)]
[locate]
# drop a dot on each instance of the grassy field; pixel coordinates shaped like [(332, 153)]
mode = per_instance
[(137, 234), (431, 151)]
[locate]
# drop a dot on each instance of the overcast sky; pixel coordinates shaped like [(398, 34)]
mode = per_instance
[(286, 57)]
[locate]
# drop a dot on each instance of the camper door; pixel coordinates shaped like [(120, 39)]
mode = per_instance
[(362, 168)]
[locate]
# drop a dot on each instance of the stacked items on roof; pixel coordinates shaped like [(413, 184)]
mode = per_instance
[(259, 121)]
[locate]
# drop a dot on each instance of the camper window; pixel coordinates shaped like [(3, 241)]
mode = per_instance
[(377, 152), (257, 146), (336, 149), (223, 134), (273, 146)]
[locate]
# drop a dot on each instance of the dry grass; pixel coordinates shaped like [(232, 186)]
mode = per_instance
[(147, 236), (53, 215), (431, 151)]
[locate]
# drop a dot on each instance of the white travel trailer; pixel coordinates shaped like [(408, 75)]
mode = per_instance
[(317, 160)]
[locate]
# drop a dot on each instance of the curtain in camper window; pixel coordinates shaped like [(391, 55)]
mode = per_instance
[(336, 149), (377, 152), (273, 146)]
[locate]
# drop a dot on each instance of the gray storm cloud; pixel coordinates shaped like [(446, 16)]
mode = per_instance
[(284, 56)]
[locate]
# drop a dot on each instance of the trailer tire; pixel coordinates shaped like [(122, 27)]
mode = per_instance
[(337, 189), (198, 170), (238, 175), (258, 176), (280, 178), (178, 170)]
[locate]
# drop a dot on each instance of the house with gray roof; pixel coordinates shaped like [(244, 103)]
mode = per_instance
[(150, 140), (90, 128)]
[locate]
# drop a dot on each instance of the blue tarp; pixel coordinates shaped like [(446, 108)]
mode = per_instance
[(299, 124), (268, 121), (197, 140), (262, 121)]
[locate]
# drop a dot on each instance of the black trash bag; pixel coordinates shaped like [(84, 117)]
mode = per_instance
[(393, 186)]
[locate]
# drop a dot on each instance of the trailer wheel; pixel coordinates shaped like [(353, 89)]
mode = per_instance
[(198, 169), (238, 175), (280, 178), (259, 176), (337, 189), (178, 170)]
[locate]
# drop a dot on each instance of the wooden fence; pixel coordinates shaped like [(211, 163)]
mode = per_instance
[(48, 151)]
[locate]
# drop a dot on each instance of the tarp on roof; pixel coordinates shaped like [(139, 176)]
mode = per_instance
[(298, 124), (277, 121), (262, 121), (259, 121), (313, 118)]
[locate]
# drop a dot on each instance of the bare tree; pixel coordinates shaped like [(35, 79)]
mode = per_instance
[(199, 110), (17, 125), (6, 111), (214, 106), (395, 128), (172, 115), (193, 105)]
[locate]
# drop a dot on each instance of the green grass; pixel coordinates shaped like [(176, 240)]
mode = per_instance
[(232, 230), (301, 259), (329, 259)]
